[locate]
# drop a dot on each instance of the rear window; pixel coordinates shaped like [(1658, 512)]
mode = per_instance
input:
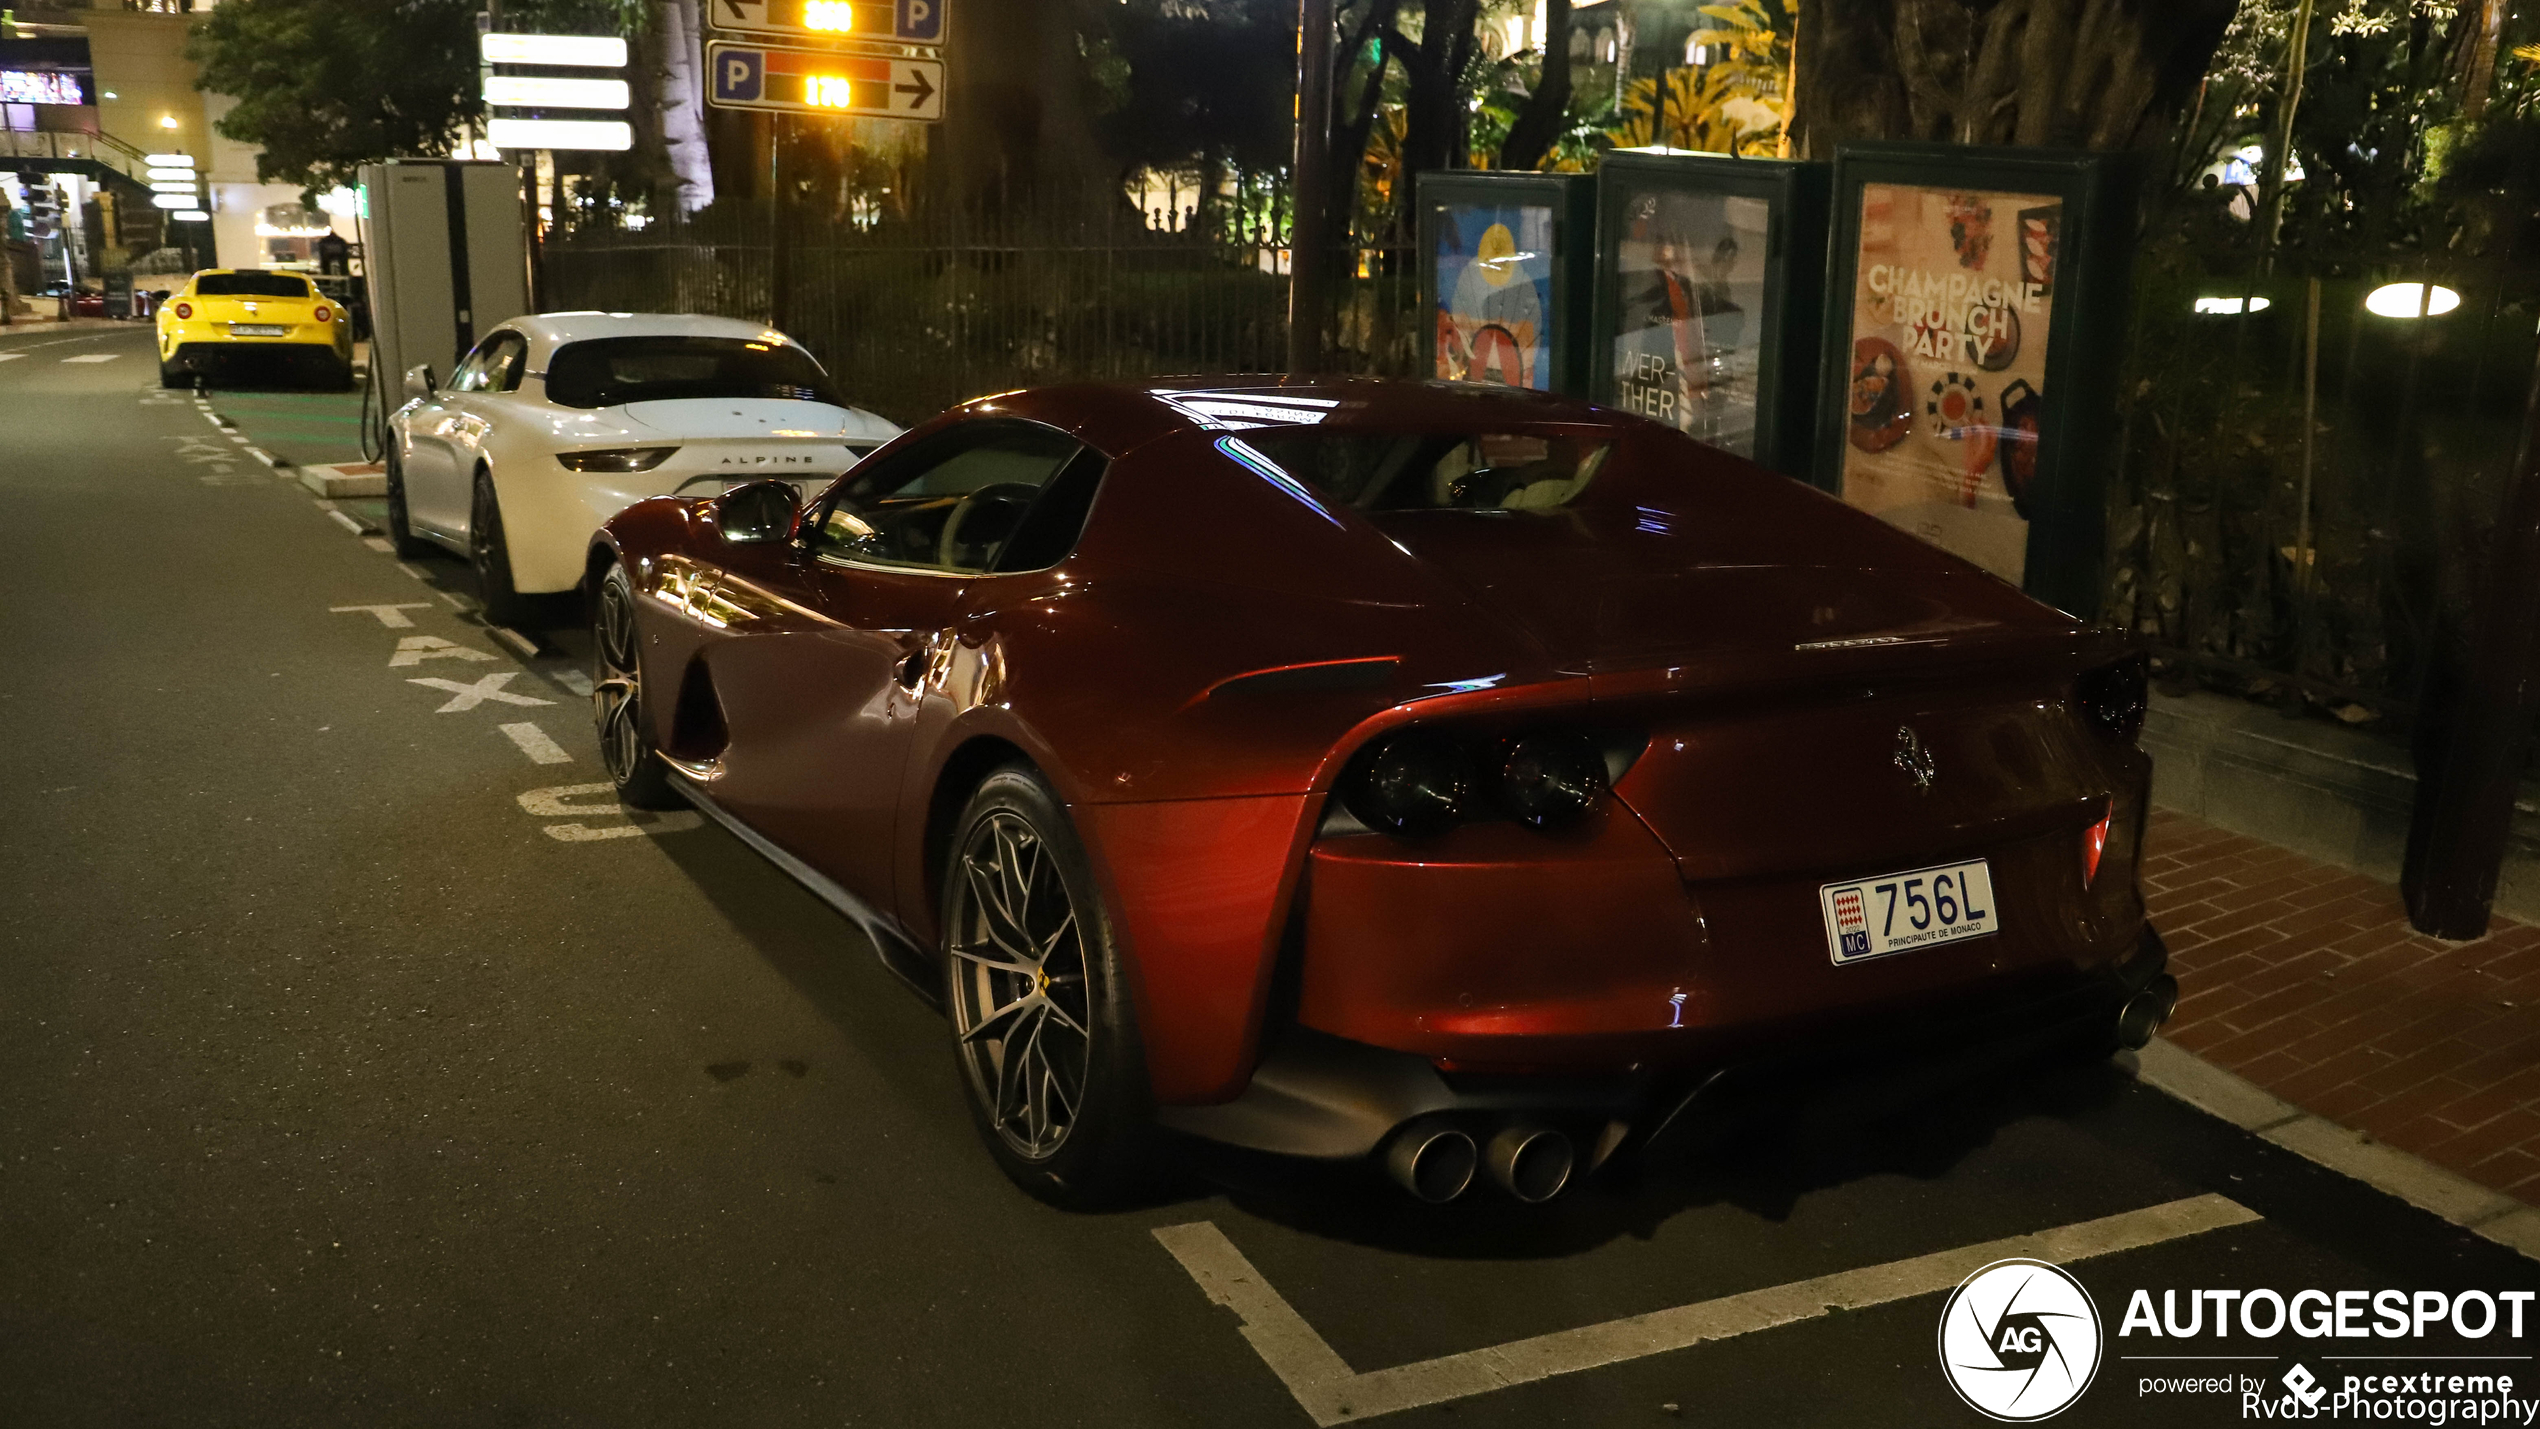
[(1430, 471), (250, 285), (612, 371)]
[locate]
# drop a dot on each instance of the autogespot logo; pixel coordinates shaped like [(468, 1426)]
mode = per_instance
[(2019, 1340)]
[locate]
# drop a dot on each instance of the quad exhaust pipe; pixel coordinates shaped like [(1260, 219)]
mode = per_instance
[(1432, 1160), (1436, 1161), (2144, 1012), (1531, 1163)]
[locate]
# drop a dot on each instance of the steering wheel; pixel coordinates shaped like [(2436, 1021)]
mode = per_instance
[(1014, 496)]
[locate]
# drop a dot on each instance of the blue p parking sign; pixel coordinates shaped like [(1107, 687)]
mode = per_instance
[(920, 20), (740, 76)]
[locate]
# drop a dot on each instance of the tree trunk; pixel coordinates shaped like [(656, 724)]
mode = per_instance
[(2089, 74), (1436, 120), (1538, 125), (1354, 117), (679, 99)]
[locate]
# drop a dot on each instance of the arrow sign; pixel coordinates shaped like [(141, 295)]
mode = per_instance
[(786, 80), (909, 22)]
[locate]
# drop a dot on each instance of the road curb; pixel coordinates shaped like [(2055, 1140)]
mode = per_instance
[(2413, 1179), (344, 479)]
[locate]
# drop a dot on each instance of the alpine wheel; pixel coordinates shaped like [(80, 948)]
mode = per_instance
[(1041, 1015), (617, 699), (400, 527), (492, 557)]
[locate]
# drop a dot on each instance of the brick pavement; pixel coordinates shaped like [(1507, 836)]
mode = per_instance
[(2306, 979)]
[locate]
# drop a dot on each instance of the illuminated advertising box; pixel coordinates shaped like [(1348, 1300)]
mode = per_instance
[(1710, 275), (1974, 320), (1505, 278)]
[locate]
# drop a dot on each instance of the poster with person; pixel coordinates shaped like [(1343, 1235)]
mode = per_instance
[(1494, 294), (1953, 294), (1688, 338)]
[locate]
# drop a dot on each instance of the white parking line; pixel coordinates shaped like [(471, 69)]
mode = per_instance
[(378, 543), (11, 356), (534, 742), (95, 357), (1328, 1390), (347, 522)]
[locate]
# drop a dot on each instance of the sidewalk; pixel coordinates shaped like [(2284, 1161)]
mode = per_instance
[(2305, 979)]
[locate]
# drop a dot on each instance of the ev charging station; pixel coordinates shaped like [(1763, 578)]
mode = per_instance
[(445, 250)]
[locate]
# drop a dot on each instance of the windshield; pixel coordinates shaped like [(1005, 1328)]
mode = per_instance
[(1429, 471), (250, 285), (613, 371)]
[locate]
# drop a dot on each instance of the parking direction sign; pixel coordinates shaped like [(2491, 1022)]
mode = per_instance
[(910, 22), (797, 81)]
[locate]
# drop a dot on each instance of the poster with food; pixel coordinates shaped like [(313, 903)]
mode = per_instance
[(1952, 297), (1687, 345), (1494, 285)]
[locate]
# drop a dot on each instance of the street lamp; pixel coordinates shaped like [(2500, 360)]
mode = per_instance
[(2410, 300)]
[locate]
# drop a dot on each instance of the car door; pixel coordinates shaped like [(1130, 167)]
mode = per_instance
[(496, 367), (438, 442), (820, 671)]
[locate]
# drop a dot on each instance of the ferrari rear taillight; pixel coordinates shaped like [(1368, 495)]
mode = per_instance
[(1424, 781), (1417, 782), (2094, 842), (321, 314), (184, 310), (1550, 779), (2113, 699)]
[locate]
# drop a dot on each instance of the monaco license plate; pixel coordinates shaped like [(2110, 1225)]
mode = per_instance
[(257, 330), (1899, 912)]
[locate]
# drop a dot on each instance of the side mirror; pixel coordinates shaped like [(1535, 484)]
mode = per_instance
[(760, 511), (419, 381)]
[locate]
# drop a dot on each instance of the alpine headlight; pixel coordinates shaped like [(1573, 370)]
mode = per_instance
[(616, 459)]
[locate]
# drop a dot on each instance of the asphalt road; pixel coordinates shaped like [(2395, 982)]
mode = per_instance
[(358, 1068)]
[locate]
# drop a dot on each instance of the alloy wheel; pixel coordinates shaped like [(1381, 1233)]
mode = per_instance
[(617, 695), (1019, 999)]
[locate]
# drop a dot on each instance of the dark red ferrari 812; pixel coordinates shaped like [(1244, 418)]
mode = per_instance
[(1465, 779)]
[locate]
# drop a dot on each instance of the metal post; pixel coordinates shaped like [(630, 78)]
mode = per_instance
[(1310, 236), (2465, 798), (780, 250)]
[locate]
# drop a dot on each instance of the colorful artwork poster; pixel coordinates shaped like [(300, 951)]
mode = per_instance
[(1494, 314), (1688, 341), (1951, 301)]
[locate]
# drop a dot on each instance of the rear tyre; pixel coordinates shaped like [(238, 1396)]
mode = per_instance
[(492, 557), (1043, 1026), (617, 699), (401, 535), (169, 377)]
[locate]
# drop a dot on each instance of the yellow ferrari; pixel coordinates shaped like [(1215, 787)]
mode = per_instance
[(228, 318)]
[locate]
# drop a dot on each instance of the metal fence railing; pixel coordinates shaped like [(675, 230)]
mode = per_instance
[(915, 317)]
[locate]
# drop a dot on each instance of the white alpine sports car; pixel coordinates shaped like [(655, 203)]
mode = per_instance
[(557, 422)]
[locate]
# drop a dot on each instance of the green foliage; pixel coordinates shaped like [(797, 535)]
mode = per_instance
[(1733, 105), (324, 86)]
